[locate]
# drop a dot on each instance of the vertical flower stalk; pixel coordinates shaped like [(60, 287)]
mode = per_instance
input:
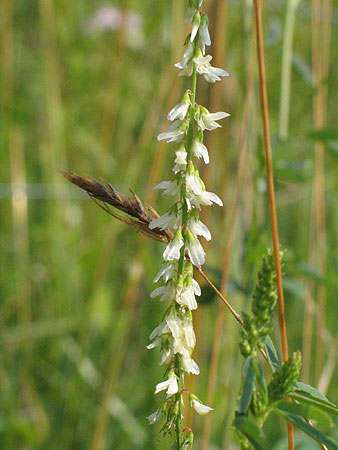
[(175, 335)]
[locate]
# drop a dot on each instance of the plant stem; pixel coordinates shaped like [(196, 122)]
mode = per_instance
[(271, 189), (179, 433)]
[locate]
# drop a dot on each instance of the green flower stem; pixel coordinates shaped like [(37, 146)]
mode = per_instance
[(189, 155), (179, 431)]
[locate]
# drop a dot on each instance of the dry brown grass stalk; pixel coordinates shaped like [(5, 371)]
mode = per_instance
[(271, 189)]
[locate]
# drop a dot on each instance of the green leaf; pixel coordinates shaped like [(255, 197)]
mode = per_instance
[(308, 429), (324, 405), (260, 379), (248, 385), (272, 355), (250, 430), (308, 389), (308, 411)]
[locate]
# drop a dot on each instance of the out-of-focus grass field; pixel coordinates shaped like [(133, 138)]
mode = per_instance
[(88, 89)]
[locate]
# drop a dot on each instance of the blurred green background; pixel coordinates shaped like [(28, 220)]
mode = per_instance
[(86, 86)]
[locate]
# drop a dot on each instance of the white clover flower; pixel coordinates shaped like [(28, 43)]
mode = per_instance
[(195, 250), (207, 121), (198, 228), (181, 159), (155, 343), (200, 408), (189, 333), (170, 385), (187, 55), (204, 31), (210, 74), (154, 417), (174, 324), (185, 296), (189, 365), (166, 273), (195, 26), (196, 286), (180, 110), (187, 69), (167, 356), (193, 183), (167, 292), (206, 198), (162, 328), (169, 187), (165, 221), (200, 151), (172, 250), (175, 132)]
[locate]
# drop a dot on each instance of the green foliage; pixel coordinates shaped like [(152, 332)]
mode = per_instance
[(258, 399)]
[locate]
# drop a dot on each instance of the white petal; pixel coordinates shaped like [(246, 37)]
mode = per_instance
[(189, 365), (196, 286), (155, 343), (165, 221), (196, 252), (204, 33), (178, 111), (193, 184), (200, 151), (172, 251), (162, 328), (154, 417), (199, 229), (174, 325), (200, 408)]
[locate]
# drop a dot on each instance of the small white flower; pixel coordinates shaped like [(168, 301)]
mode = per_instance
[(172, 250), (179, 111), (200, 150), (155, 343), (200, 408), (168, 220), (154, 417), (169, 187), (167, 292), (195, 26), (181, 160), (162, 328), (187, 55), (207, 121), (193, 183), (189, 334), (196, 286), (170, 385), (206, 198), (187, 69), (195, 250), (167, 356), (210, 74), (186, 297), (174, 133), (198, 228), (204, 31), (189, 365), (166, 272), (174, 324)]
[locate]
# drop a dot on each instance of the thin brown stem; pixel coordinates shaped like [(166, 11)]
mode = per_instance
[(271, 189)]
